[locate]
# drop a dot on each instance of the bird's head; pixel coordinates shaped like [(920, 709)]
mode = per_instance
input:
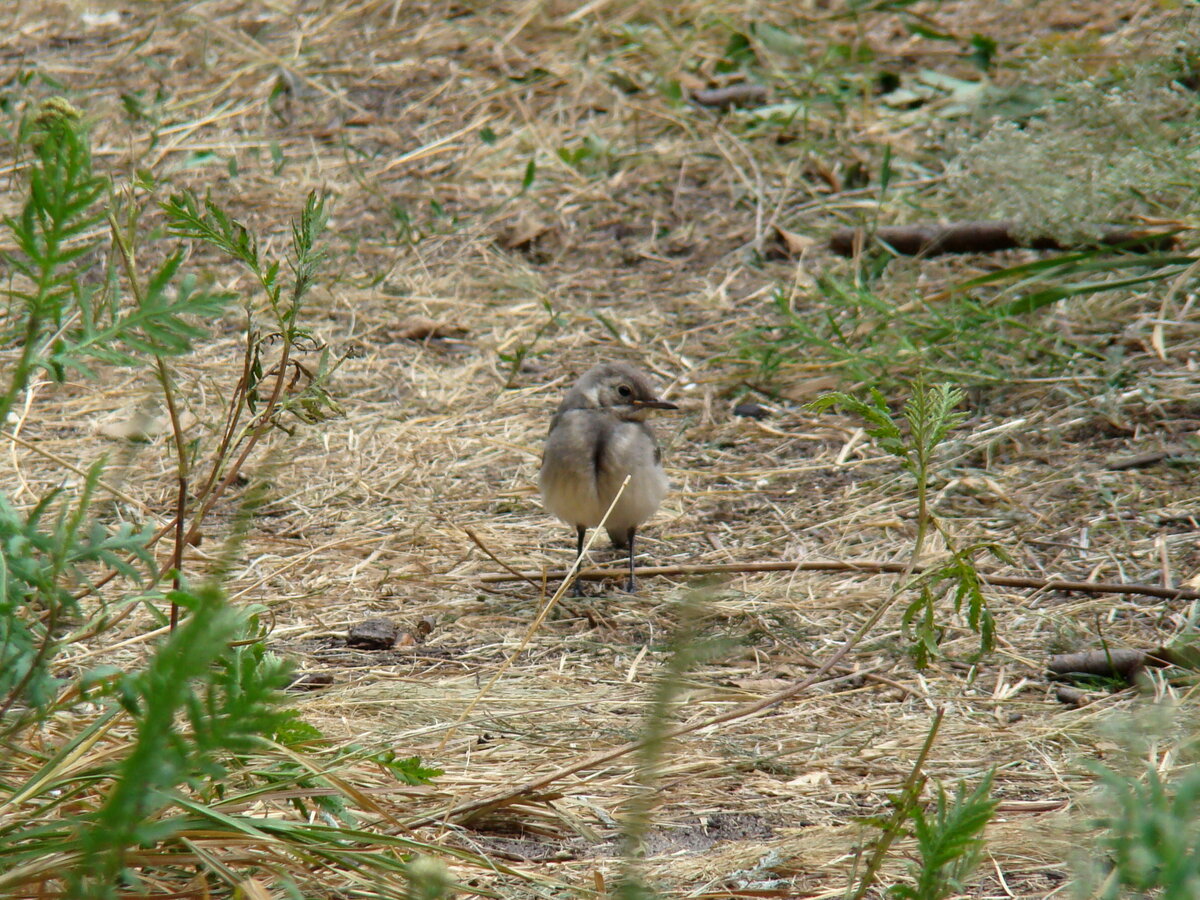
[(618, 387)]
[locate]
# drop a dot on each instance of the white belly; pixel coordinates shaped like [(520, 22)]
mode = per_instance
[(578, 486)]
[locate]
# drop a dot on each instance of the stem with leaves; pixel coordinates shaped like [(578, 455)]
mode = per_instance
[(50, 234), (913, 438), (163, 374), (903, 804), (929, 414), (207, 222), (143, 758)]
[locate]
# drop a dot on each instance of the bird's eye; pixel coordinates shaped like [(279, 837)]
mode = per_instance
[(624, 390)]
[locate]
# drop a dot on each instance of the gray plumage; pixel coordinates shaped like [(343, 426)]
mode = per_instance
[(598, 436)]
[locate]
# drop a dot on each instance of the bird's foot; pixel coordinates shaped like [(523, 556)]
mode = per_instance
[(631, 586)]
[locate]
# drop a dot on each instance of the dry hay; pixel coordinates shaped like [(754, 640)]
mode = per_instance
[(643, 252)]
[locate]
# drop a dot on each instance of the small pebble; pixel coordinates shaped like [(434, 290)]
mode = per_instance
[(749, 410), (373, 634), (1070, 696)]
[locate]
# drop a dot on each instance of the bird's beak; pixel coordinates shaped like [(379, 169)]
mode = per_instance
[(654, 404)]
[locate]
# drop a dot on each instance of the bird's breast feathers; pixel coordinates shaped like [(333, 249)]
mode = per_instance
[(588, 456)]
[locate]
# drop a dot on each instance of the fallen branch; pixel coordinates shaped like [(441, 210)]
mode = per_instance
[(1073, 696), (1150, 458), (498, 561), (733, 95), (989, 237), (866, 566), (1120, 663)]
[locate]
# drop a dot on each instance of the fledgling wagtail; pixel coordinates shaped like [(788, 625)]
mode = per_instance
[(598, 436)]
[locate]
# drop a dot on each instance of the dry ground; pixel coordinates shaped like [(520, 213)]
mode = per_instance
[(657, 245)]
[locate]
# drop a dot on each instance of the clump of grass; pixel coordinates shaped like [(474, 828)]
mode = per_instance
[(864, 337), (980, 333), (1147, 810), (1106, 148)]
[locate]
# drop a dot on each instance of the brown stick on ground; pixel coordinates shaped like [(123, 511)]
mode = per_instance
[(989, 237), (1072, 696), (1120, 663), (866, 566), (733, 95), (1142, 460)]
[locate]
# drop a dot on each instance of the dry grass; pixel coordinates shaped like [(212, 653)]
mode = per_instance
[(645, 251)]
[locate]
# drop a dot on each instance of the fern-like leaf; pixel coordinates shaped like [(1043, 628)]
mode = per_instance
[(165, 323), (949, 841)]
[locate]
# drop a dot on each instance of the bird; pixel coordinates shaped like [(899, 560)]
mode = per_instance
[(598, 436)]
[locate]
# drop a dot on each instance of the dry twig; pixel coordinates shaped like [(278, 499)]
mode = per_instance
[(731, 96), (1113, 663), (866, 566), (988, 237)]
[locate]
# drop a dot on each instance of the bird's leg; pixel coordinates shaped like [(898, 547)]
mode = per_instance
[(580, 534), (631, 586)]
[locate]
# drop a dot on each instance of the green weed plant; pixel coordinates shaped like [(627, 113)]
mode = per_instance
[(116, 779)]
